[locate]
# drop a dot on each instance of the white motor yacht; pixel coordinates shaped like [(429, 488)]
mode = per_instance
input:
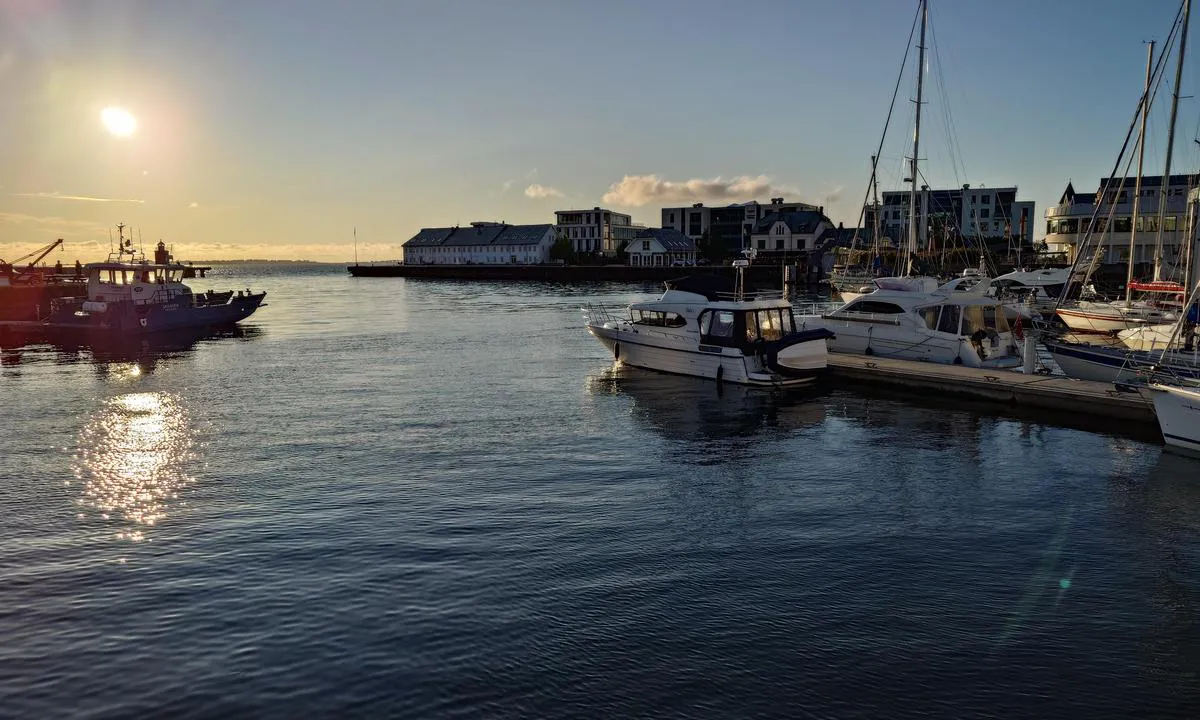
[(945, 326), (704, 327)]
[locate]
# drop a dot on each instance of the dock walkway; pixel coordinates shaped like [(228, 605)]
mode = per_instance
[(1052, 392)]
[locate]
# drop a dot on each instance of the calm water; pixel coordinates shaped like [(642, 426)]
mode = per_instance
[(438, 499)]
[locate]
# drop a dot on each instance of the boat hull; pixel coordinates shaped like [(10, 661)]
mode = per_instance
[(1178, 411), (128, 319), (1111, 364), (854, 337), (802, 362)]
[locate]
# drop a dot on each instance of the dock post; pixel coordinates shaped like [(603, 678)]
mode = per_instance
[(1029, 354)]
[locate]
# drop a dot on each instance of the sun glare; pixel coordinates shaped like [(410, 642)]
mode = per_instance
[(118, 121)]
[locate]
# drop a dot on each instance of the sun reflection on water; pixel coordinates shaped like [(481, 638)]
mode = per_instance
[(132, 460)]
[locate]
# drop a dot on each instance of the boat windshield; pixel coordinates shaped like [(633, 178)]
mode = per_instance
[(768, 325)]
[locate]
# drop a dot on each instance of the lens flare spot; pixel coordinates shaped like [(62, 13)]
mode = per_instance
[(119, 122)]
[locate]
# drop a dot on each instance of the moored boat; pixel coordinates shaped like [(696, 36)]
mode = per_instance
[(129, 295), (702, 327)]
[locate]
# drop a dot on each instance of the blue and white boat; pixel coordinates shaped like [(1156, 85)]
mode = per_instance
[(128, 295)]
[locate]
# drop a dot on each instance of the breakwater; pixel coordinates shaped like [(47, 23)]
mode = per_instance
[(758, 274)]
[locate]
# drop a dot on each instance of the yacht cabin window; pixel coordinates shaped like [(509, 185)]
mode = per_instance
[(873, 307), (948, 321), (657, 318), (716, 323)]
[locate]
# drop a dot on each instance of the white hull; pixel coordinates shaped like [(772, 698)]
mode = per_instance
[(1109, 317), (1178, 411), (680, 354), (864, 338), (1148, 337)]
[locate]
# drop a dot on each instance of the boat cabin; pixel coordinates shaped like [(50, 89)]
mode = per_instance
[(744, 328), (965, 319), (143, 283)]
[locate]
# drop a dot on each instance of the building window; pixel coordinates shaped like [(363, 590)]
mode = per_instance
[(984, 212), (985, 199), (779, 244), (646, 245)]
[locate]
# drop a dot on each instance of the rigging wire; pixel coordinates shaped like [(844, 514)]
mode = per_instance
[(1145, 99), (886, 123)]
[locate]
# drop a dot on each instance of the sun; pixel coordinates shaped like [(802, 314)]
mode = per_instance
[(118, 121)]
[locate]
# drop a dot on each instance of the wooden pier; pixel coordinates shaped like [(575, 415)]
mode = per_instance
[(1061, 395)]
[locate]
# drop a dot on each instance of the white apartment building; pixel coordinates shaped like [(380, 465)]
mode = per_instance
[(1067, 222), (483, 243), (597, 231), (967, 213)]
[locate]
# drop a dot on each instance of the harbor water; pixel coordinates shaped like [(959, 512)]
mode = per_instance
[(419, 498)]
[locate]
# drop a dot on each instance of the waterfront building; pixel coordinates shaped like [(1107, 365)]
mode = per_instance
[(1067, 222), (790, 232), (482, 243), (959, 217), (730, 226), (595, 232), (661, 247)]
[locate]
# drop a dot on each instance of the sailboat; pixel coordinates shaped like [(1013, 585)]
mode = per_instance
[(1113, 317)]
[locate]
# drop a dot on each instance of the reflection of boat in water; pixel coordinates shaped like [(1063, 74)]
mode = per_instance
[(685, 407), (144, 351)]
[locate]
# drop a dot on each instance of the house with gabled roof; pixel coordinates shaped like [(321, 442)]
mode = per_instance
[(482, 243), (661, 247), (789, 232)]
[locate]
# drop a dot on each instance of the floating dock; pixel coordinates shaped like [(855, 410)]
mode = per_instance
[(1062, 395)]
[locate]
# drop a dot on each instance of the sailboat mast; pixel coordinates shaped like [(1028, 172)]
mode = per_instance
[(912, 198), (1137, 184), (1166, 181)]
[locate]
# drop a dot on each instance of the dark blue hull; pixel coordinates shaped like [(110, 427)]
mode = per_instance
[(1116, 364), (128, 319)]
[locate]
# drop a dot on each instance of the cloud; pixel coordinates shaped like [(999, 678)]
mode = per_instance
[(507, 184), (194, 205), (542, 191), (82, 198), (639, 190), (834, 195)]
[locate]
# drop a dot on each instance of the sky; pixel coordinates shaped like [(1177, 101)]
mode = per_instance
[(302, 129)]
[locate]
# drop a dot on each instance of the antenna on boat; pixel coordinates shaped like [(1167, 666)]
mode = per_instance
[(356, 245)]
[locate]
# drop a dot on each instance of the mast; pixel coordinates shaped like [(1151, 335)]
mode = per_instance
[(1137, 184), (877, 226), (1166, 181), (912, 197)]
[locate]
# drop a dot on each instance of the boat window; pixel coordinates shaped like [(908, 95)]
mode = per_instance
[(751, 326), (930, 316), (948, 320), (984, 317), (705, 322), (770, 325), (874, 306), (657, 318), (789, 325), (722, 323)]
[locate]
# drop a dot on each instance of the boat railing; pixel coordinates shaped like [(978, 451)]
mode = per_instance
[(862, 317), (816, 308), (596, 314), (750, 296)]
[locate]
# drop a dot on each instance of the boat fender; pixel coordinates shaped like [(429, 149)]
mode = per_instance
[(868, 351), (143, 321), (616, 351), (958, 360), (720, 373)]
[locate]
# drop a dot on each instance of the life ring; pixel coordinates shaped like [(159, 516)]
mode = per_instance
[(142, 321)]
